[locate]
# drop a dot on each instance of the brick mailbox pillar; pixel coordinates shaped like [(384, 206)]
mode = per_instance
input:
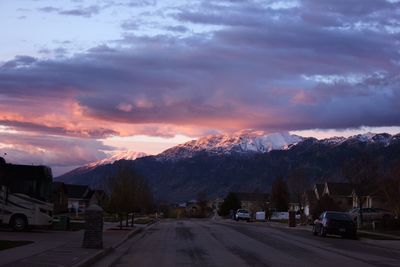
[(292, 218), (93, 236)]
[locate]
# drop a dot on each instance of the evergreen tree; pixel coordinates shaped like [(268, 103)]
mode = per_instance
[(231, 202), (280, 195)]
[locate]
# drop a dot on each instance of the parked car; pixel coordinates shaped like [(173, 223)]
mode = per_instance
[(242, 214), (337, 223), (277, 216), (371, 214)]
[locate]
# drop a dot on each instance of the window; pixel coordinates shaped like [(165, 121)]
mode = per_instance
[(338, 216)]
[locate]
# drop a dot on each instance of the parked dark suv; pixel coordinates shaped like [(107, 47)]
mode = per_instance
[(336, 223)]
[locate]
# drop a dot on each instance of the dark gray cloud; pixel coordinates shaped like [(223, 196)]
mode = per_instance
[(317, 65)]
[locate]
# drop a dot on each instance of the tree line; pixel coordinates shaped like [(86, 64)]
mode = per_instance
[(129, 194)]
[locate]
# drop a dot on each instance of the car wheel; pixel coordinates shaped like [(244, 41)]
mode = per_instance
[(322, 231), (19, 223)]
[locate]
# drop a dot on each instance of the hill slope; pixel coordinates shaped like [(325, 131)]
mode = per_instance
[(181, 178)]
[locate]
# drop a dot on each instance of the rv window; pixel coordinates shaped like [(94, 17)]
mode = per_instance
[(32, 188)]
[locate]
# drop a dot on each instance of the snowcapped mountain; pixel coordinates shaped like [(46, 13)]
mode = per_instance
[(382, 138), (177, 175), (371, 138), (240, 142), (127, 155)]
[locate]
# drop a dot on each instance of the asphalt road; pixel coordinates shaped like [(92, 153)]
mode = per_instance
[(228, 243)]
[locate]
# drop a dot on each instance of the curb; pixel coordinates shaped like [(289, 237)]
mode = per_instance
[(379, 235), (89, 261)]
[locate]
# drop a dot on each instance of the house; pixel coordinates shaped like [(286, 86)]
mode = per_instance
[(78, 197), (98, 197), (369, 199), (340, 193), (59, 197), (253, 201), (311, 197), (309, 200), (318, 189), (294, 204)]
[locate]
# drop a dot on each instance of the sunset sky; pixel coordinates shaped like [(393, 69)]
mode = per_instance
[(82, 79)]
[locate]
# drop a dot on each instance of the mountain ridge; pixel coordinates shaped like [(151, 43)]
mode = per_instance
[(218, 173)]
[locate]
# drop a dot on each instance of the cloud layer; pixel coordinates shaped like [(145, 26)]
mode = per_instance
[(217, 66)]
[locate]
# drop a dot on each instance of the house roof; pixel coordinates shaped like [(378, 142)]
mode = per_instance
[(293, 198), (55, 186), (370, 192), (320, 188), (90, 193), (77, 191), (243, 196), (309, 195), (339, 189)]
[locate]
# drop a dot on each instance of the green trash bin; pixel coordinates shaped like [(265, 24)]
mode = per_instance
[(64, 223)]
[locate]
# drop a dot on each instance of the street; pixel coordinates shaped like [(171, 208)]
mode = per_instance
[(229, 243)]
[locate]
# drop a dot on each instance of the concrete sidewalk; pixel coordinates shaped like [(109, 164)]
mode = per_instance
[(59, 248)]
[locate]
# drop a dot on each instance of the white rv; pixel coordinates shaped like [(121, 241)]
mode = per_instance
[(25, 193)]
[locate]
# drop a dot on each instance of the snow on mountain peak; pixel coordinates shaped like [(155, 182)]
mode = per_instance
[(240, 142), (127, 155), (333, 140), (382, 138)]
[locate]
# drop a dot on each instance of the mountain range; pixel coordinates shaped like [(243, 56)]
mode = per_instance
[(243, 161)]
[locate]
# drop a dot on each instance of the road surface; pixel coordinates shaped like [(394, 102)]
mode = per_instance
[(227, 243)]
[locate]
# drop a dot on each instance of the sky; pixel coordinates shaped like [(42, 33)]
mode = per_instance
[(80, 80)]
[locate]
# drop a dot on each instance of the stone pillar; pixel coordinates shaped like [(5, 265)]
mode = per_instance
[(93, 236), (292, 218)]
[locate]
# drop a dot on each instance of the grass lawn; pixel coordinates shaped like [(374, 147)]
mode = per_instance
[(376, 237), (143, 220), (6, 244)]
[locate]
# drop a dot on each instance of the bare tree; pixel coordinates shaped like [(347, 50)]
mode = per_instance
[(362, 174), (129, 193), (391, 187), (280, 194), (298, 183)]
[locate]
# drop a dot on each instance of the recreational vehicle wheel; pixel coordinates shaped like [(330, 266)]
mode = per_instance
[(19, 223)]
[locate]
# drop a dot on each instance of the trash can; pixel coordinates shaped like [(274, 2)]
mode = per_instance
[(292, 219), (64, 223)]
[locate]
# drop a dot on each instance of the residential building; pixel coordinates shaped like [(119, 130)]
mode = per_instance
[(369, 199), (341, 194), (318, 189), (253, 201), (98, 197), (78, 197)]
